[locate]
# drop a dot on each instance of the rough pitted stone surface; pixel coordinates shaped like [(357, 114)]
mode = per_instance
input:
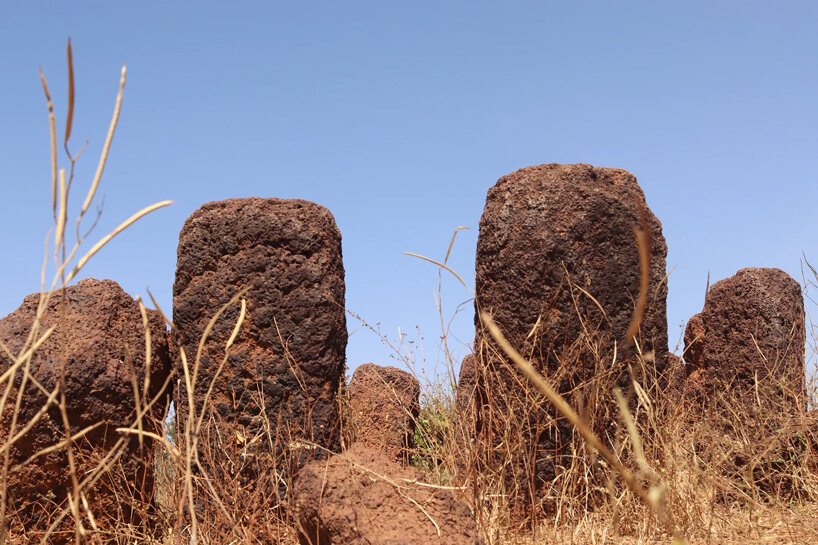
[(468, 404), (287, 363), (466, 384), (541, 221), (675, 375), (695, 377), (384, 404), (361, 497), (751, 331), (541, 227), (694, 333), (745, 380), (101, 340), (811, 425)]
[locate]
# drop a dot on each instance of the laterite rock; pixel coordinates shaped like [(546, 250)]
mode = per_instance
[(279, 384), (384, 403), (99, 341), (558, 269)]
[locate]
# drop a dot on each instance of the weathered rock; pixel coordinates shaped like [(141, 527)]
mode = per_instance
[(694, 346), (558, 268), (748, 343), (675, 374), (810, 425), (284, 370), (362, 497), (546, 225), (467, 408), (744, 383), (100, 340), (695, 377), (384, 404), (466, 384)]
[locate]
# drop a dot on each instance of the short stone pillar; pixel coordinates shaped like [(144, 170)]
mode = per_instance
[(748, 342), (272, 398), (384, 404)]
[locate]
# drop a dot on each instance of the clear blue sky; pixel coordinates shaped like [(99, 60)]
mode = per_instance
[(399, 116)]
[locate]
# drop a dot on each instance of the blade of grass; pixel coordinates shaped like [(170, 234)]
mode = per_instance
[(69, 119), (442, 266), (642, 235), (52, 131), (107, 238)]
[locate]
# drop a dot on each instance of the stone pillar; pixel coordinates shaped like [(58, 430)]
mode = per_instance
[(384, 404), (749, 341), (273, 403), (558, 269)]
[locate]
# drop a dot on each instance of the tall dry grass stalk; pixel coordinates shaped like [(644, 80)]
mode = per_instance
[(17, 375)]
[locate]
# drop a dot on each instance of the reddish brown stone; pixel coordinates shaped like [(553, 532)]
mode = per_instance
[(468, 407), (675, 375), (466, 384), (810, 427), (745, 382), (694, 347), (361, 497), (286, 366), (751, 339), (557, 242), (384, 404), (542, 222), (695, 377), (100, 339)]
